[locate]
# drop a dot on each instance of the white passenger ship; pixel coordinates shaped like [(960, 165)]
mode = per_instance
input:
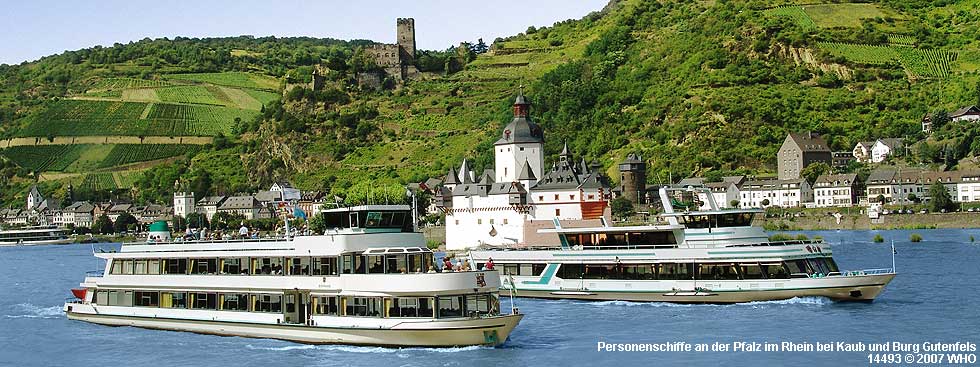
[(710, 256), (367, 281), (28, 236)]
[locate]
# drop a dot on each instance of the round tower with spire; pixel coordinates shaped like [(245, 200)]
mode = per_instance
[(521, 141)]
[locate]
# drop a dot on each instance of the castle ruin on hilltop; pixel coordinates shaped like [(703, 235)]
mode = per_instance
[(396, 60)]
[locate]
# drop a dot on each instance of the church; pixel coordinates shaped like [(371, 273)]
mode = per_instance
[(506, 206)]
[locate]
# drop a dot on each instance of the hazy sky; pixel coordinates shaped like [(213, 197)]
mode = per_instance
[(31, 29)]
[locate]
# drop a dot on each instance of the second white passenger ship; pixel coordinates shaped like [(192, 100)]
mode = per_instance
[(710, 256), (367, 281)]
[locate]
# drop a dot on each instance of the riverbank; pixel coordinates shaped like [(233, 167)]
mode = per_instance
[(821, 221)]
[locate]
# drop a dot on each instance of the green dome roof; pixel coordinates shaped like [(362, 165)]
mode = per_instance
[(159, 226)]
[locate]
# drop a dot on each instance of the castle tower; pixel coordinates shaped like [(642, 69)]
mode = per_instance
[(633, 178), (521, 141), (406, 40), (184, 204)]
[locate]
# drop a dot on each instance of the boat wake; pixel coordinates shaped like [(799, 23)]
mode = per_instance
[(360, 349), (30, 311), (818, 301)]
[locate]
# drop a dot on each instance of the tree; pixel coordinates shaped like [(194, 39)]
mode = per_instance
[(941, 200), (734, 203), (914, 198), (123, 221), (103, 225), (939, 119), (880, 198), (318, 224), (196, 220), (765, 202), (813, 171), (622, 207)]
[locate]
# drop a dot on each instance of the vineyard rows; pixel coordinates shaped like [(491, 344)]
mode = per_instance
[(88, 118), (231, 79), (919, 63), (191, 94), (132, 153), (898, 39), (127, 83), (99, 182), (797, 14), (42, 158)]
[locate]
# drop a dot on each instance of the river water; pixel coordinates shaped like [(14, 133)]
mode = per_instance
[(934, 298)]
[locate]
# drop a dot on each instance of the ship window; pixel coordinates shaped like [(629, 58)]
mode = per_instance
[(140, 267), (363, 306), (775, 271), (415, 263), (675, 271), (373, 219), (299, 265), (267, 303), (173, 300), (511, 269), (325, 266), (117, 266), (525, 269), (797, 268), (120, 298), (147, 299), (204, 301), (234, 302), (348, 264), (404, 307), (450, 307), (570, 271), (478, 304), (204, 266), (175, 266), (102, 298), (325, 305), (153, 266), (396, 264), (376, 264), (267, 265), (537, 269), (235, 265), (717, 272), (751, 271), (127, 267)]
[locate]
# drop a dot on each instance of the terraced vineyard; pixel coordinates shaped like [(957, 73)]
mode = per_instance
[(899, 39), (198, 120), (97, 118), (127, 83), (919, 63), (132, 153), (98, 182), (42, 158), (231, 79), (796, 13), (862, 54), (190, 94), (926, 63)]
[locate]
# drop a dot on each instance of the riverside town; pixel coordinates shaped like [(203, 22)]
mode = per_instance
[(624, 182)]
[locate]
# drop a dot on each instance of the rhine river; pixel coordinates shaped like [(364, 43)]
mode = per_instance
[(934, 298)]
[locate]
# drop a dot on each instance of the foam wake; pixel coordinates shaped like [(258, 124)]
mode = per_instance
[(819, 301), (360, 349), (31, 311)]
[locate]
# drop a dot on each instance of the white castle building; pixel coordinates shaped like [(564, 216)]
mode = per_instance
[(507, 205)]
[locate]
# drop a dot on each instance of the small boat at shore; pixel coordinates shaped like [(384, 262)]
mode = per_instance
[(705, 256), (366, 281), (31, 236)]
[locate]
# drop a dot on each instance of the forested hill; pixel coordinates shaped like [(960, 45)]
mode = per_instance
[(696, 87)]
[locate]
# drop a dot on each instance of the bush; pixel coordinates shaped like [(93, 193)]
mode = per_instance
[(915, 237), (802, 237), (780, 237), (879, 239)]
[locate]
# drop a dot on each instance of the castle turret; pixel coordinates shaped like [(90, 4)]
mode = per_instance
[(184, 203), (633, 178), (522, 141)]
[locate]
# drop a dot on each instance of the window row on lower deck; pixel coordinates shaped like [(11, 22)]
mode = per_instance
[(480, 304), (310, 266), (701, 271)]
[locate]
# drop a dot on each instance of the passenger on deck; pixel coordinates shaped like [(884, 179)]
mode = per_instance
[(243, 232), (489, 265), (432, 269), (447, 265)]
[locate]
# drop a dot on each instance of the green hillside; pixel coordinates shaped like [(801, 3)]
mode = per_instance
[(707, 87)]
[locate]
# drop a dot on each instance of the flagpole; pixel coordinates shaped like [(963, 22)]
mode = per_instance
[(893, 257)]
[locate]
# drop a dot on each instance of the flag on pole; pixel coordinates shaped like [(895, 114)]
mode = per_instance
[(299, 213)]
